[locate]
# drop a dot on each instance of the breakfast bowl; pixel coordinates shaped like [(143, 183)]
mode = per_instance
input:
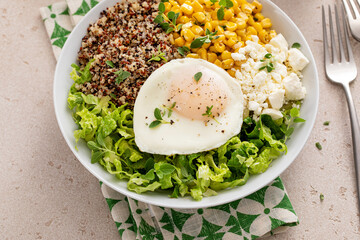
[(62, 83)]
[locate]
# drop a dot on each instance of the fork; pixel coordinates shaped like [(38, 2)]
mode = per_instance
[(354, 22), (341, 69)]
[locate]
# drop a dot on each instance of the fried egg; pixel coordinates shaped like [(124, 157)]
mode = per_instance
[(187, 106)]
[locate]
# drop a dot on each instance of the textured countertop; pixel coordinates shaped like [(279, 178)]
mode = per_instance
[(45, 193)]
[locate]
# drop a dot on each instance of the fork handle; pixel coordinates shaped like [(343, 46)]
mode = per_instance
[(355, 132)]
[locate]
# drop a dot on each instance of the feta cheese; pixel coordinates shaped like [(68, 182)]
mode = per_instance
[(274, 114), (297, 60), (276, 98), (238, 56), (293, 87), (279, 42), (259, 79)]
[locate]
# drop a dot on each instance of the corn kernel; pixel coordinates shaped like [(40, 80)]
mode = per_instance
[(247, 8), (202, 53), (241, 1), (229, 34), (188, 35), (241, 33), (181, 2), (231, 72), (206, 45), (199, 16), (258, 27), (201, 1), (167, 6), (218, 63), (197, 30), (231, 42), (220, 38), (264, 36), (197, 6), (228, 14), (266, 23), (230, 26), (248, 38), (240, 24), (219, 47), (214, 23), (179, 42), (259, 17), (193, 55), (243, 16), (212, 49), (187, 9), (211, 57), (225, 55), (258, 6), (187, 44), (208, 26), (183, 19), (272, 34), (219, 30), (251, 31), (173, 3), (208, 3), (236, 7), (176, 35), (175, 9)]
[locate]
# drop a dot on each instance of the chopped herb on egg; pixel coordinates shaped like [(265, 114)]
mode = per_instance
[(197, 76), (121, 76), (158, 114), (208, 112)]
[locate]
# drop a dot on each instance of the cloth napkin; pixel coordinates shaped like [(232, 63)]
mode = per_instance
[(265, 212)]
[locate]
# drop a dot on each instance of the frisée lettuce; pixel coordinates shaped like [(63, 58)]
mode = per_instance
[(108, 132)]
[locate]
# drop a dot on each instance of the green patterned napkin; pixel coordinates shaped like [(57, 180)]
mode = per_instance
[(267, 211)]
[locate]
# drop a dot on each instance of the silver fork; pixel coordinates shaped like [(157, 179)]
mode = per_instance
[(341, 69), (354, 22)]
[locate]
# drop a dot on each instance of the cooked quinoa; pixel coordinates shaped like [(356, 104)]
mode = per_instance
[(126, 35)]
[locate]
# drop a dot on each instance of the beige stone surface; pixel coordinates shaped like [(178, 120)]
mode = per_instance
[(45, 193)]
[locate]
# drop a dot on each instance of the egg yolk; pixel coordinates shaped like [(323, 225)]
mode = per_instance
[(193, 98)]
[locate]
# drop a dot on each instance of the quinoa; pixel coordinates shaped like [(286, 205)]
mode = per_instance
[(126, 35)]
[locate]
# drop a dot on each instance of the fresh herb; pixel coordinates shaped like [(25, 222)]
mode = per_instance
[(198, 42), (112, 95), (321, 197), (255, 19), (208, 112), (197, 76), (170, 109), (213, 2), (158, 114), (318, 145), (223, 4), (224, 27), (292, 116), (121, 76), (183, 50), (167, 23), (269, 66), (160, 56), (296, 45), (110, 64), (326, 123)]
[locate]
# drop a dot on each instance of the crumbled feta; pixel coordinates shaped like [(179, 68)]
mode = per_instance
[(266, 92), (297, 60)]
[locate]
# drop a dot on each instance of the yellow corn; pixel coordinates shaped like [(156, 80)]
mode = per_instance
[(188, 35), (219, 47), (241, 33), (243, 16), (167, 6), (193, 55), (208, 3), (184, 19), (176, 35), (266, 23), (231, 72), (264, 36), (258, 27), (248, 38), (251, 31), (214, 23), (175, 9), (221, 37), (228, 14), (228, 63), (219, 30), (212, 49), (225, 55), (259, 17), (257, 6), (179, 42), (181, 1), (206, 45), (173, 3), (272, 34), (231, 42), (187, 44), (240, 24), (197, 6), (211, 57), (247, 8), (197, 30), (218, 63), (187, 9), (202, 53), (229, 34), (199, 16), (208, 26), (230, 26)]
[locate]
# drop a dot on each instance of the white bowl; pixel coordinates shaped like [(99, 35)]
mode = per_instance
[(62, 83)]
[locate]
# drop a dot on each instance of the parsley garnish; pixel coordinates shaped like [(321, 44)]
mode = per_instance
[(168, 23), (170, 109), (208, 112), (158, 114), (121, 76), (224, 4), (158, 57), (269, 66), (197, 76), (198, 42), (296, 45), (294, 117), (183, 50), (110, 64), (318, 145)]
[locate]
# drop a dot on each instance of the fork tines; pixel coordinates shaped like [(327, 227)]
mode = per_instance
[(352, 12), (339, 52)]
